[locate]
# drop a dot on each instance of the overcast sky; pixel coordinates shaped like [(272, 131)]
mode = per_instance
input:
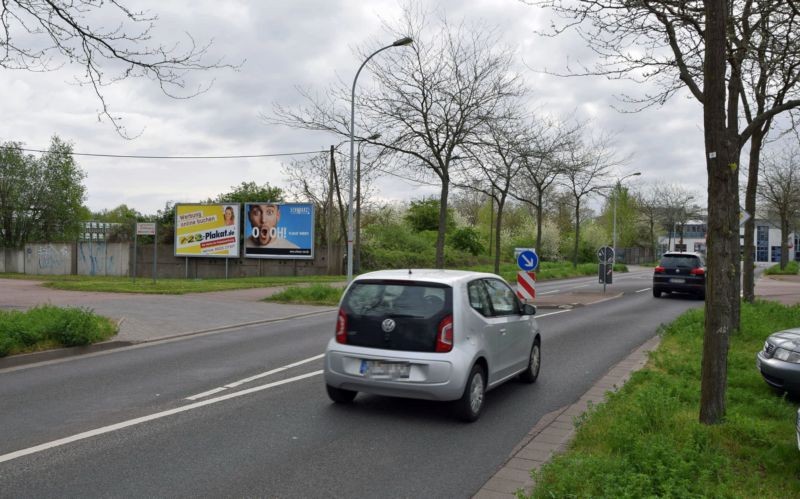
[(308, 43)]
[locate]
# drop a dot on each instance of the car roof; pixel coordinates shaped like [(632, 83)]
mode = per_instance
[(442, 276)]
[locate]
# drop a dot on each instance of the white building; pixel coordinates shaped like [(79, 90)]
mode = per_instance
[(767, 240)]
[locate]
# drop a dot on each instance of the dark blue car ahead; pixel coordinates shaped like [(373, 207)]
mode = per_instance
[(680, 273)]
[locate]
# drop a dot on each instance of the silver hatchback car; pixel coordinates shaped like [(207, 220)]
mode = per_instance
[(431, 334)]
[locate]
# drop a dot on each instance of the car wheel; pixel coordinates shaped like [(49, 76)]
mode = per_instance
[(530, 374), (701, 295), (468, 407), (339, 395), (656, 293)]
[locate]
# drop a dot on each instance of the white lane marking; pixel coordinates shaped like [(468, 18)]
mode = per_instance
[(584, 286), (253, 378), (144, 419), (206, 394), (549, 292), (643, 290), (553, 313)]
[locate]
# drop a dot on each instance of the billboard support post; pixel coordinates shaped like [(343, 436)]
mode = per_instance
[(135, 251), (155, 253)]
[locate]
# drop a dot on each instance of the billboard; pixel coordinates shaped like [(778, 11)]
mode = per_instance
[(278, 230), (208, 230)]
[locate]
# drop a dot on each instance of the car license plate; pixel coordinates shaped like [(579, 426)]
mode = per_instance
[(677, 281), (381, 369)]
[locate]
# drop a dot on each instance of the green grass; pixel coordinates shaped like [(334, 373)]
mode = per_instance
[(645, 441), (792, 268), (547, 270), (166, 286), (47, 326), (316, 294)]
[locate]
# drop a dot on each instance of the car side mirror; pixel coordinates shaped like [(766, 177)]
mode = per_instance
[(528, 309)]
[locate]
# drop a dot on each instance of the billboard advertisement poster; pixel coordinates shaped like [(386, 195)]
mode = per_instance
[(208, 230), (279, 230)]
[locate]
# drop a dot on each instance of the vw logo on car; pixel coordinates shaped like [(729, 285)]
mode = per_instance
[(388, 325)]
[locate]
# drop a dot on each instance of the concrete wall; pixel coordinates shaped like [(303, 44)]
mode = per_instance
[(170, 266), (101, 258), (117, 259), (48, 259), (12, 260)]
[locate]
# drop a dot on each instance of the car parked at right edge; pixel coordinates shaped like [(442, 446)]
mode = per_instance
[(680, 272)]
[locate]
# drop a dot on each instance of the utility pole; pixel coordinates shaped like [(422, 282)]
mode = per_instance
[(329, 210)]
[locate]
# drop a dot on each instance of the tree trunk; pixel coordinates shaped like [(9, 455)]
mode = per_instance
[(722, 289), (577, 233), (539, 196), (442, 223), (498, 225), (748, 263), (784, 241)]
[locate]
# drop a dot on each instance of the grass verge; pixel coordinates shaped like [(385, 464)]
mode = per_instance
[(792, 268), (166, 286), (47, 327), (645, 441), (316, 294), (547, 270)]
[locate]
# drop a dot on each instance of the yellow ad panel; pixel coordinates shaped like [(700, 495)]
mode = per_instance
[(207, 230)]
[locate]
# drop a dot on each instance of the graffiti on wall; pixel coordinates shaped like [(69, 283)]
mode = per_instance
[(94, 258), (47, 258)]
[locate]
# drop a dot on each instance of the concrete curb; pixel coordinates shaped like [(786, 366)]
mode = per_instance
[(554, 431)]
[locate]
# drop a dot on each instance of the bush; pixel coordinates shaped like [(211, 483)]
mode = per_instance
[(48, 326), (466, 239)]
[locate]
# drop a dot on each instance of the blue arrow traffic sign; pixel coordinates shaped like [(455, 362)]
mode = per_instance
[(527, 260)]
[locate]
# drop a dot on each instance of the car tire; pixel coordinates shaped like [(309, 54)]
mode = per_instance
[(339, 395), (468, 408), (656, 293), (531, 372)]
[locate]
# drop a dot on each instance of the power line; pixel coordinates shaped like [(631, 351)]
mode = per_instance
[(133, 156)]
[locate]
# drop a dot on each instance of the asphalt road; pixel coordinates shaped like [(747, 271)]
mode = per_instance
[(276, 434)]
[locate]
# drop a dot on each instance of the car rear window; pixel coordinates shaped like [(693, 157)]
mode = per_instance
[(415, 308), (681, 261)]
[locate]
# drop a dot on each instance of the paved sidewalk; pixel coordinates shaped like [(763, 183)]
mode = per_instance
[(554, 431)]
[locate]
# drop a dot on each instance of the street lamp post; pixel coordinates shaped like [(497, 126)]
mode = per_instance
[(614, 229), (397, 43), (357, 249)]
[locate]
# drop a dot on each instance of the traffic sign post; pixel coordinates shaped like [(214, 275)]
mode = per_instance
[(606, 268), (528, 260), (526, 285)]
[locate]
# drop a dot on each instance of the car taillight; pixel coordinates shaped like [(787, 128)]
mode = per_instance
[(341, 327), (659, 270), (698, 271), (444, 335)]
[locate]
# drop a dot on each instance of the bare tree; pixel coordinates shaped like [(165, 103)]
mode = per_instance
[(693, 45), (496, 160), (45, 35), (429, 100), (779, 190), (547, 142), (770, 78), (586, 168)]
